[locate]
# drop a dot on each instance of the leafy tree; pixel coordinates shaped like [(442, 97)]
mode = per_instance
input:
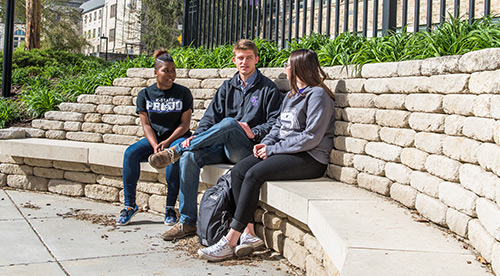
[(61, 27), (60, 24), (159, 19)]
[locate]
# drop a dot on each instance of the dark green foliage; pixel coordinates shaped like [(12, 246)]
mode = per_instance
[(8, 111), (50, 77)]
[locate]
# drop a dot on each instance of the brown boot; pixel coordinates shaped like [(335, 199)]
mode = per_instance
[(179, 231), (162, 159)]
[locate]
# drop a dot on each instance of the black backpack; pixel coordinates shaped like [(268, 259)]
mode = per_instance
[(216, 211)]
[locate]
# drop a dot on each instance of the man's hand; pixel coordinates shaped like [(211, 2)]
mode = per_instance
[(247, 130), (187, 142), (259, 151)]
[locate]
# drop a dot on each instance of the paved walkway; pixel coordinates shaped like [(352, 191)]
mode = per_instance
[(45, 234)]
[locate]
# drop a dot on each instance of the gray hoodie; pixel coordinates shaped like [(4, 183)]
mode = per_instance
[(306, 124)]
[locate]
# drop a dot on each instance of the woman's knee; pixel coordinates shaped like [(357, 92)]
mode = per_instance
[(130, 153), (254, 179)]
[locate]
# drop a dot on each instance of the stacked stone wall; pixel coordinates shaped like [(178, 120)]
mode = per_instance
[(80, 180), (109, 116), (425, 133)]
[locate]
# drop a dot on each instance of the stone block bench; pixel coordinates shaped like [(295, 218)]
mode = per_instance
[(322, 226)]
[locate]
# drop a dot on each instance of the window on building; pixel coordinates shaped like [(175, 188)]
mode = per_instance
[(99, 31), (85, 19), (112, 11), (93, 33), (100, 14), (95, 16), (112, 35)]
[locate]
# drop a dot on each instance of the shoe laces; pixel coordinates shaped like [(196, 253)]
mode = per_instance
[(171, 154), (126, 211), (218, 247)]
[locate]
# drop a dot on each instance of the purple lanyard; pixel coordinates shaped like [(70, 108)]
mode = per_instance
[(301, 90)]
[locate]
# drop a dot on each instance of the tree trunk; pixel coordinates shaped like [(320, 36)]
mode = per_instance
[(33, 22)]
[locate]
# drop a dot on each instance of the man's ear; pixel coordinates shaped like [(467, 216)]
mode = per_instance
[(256, 59), (234, 60)]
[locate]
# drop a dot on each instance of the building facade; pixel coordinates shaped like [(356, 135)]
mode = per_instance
[(112, 24), (19, 35)]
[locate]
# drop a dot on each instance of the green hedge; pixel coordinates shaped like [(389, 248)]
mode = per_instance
[(49, 77)]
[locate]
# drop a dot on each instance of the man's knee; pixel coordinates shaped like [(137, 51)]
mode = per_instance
[(228, 122)]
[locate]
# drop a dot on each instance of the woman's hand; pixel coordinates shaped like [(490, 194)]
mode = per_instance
[(259, 151), (162, 146)]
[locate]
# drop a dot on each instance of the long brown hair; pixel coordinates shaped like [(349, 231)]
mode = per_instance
[(304, 65)]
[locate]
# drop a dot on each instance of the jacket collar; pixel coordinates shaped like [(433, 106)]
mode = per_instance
[(235, 80)]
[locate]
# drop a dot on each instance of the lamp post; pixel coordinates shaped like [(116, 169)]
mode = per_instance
[(8, 48), (106, 53)]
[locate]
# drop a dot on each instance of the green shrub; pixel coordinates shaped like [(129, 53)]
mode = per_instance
[(8, 112), (39, 97)]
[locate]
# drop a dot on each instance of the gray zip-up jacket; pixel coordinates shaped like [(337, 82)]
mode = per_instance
[(306, 123)]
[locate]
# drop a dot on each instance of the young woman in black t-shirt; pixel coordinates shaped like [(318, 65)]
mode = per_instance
[(165, 110)]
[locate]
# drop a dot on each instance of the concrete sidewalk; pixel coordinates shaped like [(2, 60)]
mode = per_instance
[(40, 235)]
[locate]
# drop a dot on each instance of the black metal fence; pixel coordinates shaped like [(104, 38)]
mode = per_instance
[(211, 23)]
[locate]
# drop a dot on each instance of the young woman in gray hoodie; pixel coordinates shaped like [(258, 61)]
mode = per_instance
[(297, 147)]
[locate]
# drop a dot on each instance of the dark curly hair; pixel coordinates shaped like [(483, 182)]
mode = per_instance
[(161, 56)]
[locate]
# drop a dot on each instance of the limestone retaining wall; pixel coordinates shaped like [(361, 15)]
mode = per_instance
[(425, 133), (291, 238)]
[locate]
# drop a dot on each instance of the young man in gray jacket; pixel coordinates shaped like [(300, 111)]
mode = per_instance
[(242, 112)]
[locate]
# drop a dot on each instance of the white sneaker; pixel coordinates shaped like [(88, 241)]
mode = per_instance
[(217, 252), (248, 244)]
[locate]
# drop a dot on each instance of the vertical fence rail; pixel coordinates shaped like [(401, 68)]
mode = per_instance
[(210, 23), (328, 16), (283, 24), (276, 22), (365, 18), (355, 17), (456, 10), (346, 16), (320, 17), (375, 18), (471, 11), (304, 18), (404, 17), (337, 17), (442, 11), (290, 21), (429, 16)]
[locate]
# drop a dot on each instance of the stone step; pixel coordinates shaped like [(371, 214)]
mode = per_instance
[(366, 234)]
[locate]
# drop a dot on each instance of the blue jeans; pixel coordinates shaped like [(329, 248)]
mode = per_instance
[(134, 155), (223, 142)]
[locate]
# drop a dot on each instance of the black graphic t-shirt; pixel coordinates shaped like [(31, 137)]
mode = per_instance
[(165, 107)]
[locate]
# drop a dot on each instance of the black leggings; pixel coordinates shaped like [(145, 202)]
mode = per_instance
[(248, 175)]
